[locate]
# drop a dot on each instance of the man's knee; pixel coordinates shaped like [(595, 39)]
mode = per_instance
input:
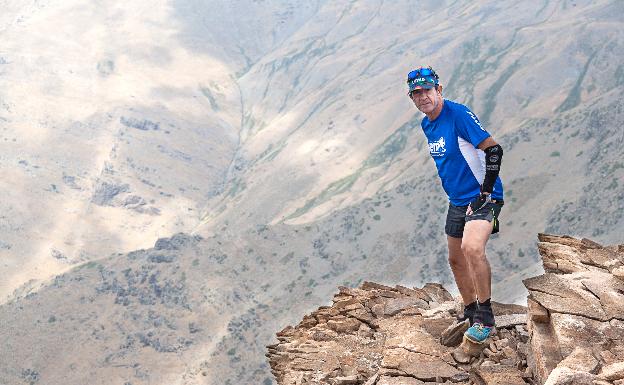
[(457, 260), (473, 250)]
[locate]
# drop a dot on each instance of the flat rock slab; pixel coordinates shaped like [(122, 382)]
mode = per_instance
[(410, 333), (573, 331), (496, 375), (421, 366), (563, 294), (396, 305), (509, 320), (400, 380), (507, 309), (610, 292)]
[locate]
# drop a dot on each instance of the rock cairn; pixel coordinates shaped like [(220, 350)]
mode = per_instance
[(571, 333)]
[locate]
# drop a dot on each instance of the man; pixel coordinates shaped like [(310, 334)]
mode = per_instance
[(468, 162)]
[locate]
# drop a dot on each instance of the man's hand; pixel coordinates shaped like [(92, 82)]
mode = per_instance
[(478, 203)]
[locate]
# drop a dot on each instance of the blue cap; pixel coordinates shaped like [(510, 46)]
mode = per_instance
[(422, 78)]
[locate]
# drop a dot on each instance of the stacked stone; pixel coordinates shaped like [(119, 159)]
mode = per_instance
[(576, 313), (381, 335)]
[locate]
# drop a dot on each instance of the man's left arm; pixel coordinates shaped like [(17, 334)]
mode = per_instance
[(493, 157)]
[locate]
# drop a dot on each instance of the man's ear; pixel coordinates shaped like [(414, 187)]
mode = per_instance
[(440, 89)]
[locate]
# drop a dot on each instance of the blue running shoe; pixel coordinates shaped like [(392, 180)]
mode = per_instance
[(478, 332)]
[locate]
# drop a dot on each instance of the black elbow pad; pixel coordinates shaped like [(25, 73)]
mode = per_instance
[(493, 160)]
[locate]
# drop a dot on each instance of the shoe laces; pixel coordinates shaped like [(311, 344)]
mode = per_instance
[(480, 327)]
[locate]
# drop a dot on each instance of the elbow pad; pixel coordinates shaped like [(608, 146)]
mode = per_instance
[(493, 158)]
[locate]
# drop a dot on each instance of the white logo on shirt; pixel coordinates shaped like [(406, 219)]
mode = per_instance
[(474, 117), (437, 148)]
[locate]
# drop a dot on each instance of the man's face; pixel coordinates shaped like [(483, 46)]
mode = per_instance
[(426, 100)]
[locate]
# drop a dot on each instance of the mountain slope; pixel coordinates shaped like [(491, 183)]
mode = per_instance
[(117, 120), (281, 135)]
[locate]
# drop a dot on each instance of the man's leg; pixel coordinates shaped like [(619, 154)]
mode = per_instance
[(476, 235), (461, 270)]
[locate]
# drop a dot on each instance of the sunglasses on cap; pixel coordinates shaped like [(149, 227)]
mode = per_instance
[(422, 77)]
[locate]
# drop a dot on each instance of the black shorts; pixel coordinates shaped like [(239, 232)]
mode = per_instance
[(456, 218)]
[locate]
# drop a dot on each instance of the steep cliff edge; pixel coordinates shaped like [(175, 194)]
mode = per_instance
[(571, 332)]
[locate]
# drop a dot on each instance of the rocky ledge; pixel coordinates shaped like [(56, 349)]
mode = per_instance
[(571, 332)]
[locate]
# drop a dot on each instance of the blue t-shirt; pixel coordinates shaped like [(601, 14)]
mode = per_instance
[(453, 139)]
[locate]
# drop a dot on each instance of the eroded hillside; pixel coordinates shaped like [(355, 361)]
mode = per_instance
[(280, 134)]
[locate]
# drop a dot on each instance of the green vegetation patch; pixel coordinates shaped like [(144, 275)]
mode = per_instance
[(492, 92), (237, 186), (392, 146), (333, 189), (383, 154), (619, 76), (213, 102), (574, 97), (88, 265)]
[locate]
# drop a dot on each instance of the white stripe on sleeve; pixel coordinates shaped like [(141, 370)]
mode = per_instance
[(474, 157)]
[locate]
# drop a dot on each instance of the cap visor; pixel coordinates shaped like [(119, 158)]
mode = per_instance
[(423, 87)]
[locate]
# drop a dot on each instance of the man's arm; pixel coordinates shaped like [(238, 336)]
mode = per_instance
[(493, 157), (487, 142)]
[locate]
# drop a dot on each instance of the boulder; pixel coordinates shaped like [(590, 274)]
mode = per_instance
[(566, 376), (453, 335), (575, 311), (437, 292), (613, 372)]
